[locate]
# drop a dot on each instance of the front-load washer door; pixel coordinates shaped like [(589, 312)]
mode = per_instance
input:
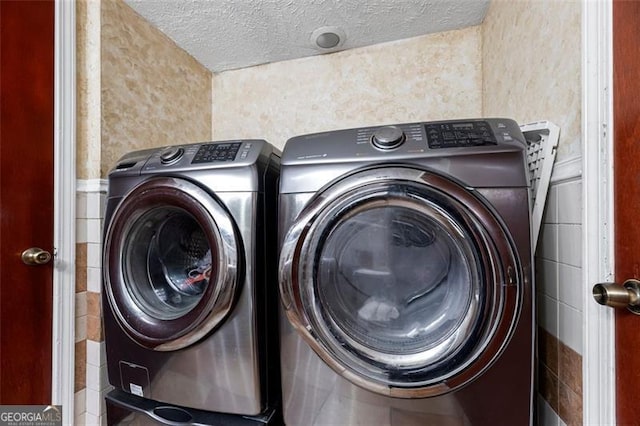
[(171, 263), (401, 280)]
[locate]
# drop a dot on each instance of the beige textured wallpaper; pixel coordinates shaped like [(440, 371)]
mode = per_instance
[(88, 89), (424, 78), (531, 57), (153, 93)]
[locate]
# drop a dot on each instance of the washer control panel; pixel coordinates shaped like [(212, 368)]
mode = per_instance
[(459, 134)]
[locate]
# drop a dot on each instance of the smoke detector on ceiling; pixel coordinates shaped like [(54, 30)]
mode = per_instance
[(328, 38)]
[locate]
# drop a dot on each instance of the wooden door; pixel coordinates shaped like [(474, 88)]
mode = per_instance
[(626, 110), (26, 199)]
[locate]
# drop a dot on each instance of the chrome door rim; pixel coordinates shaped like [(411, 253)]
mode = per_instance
[(217, 300), (499, 261)]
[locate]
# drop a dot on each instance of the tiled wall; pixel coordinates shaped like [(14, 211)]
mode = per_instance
[(560, 303), (91, 382)]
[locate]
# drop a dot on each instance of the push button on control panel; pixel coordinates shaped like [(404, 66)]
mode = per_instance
[(245, 150), (209, 153), (461, 134)]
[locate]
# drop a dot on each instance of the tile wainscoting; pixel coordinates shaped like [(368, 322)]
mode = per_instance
[(91, 382), (559, 283)]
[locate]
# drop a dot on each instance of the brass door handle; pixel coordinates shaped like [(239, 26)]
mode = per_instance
[(615, 295), (35, 256)]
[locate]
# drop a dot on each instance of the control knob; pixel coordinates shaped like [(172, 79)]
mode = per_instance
[(171, 155), (388, 137)]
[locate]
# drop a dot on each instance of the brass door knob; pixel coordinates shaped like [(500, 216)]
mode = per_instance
[(615, 295), (35, 256)]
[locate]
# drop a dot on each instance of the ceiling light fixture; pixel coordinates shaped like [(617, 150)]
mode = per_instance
[(328, 38)]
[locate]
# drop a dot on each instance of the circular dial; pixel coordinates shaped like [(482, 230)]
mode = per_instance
[(171, 154), (388, 137)]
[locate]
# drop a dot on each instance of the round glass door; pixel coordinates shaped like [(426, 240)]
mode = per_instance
[(171, 263), (167, 262), (397, 279)]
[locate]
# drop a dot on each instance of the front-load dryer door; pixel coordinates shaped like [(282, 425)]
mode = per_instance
[(401, 280), (171, 263)]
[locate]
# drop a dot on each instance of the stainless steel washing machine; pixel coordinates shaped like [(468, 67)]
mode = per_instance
[(405, 276), (190, 281)]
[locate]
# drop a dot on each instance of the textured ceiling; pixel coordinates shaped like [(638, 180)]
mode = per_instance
[(229, 34)]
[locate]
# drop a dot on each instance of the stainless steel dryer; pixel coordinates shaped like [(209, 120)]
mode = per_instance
[(190, 280), (405, 276)]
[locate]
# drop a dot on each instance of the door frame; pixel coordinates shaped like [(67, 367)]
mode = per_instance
[(64, 234), (598, 365)]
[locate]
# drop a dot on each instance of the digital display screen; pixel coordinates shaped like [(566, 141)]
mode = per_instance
[(459, 134), (209, 153)]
